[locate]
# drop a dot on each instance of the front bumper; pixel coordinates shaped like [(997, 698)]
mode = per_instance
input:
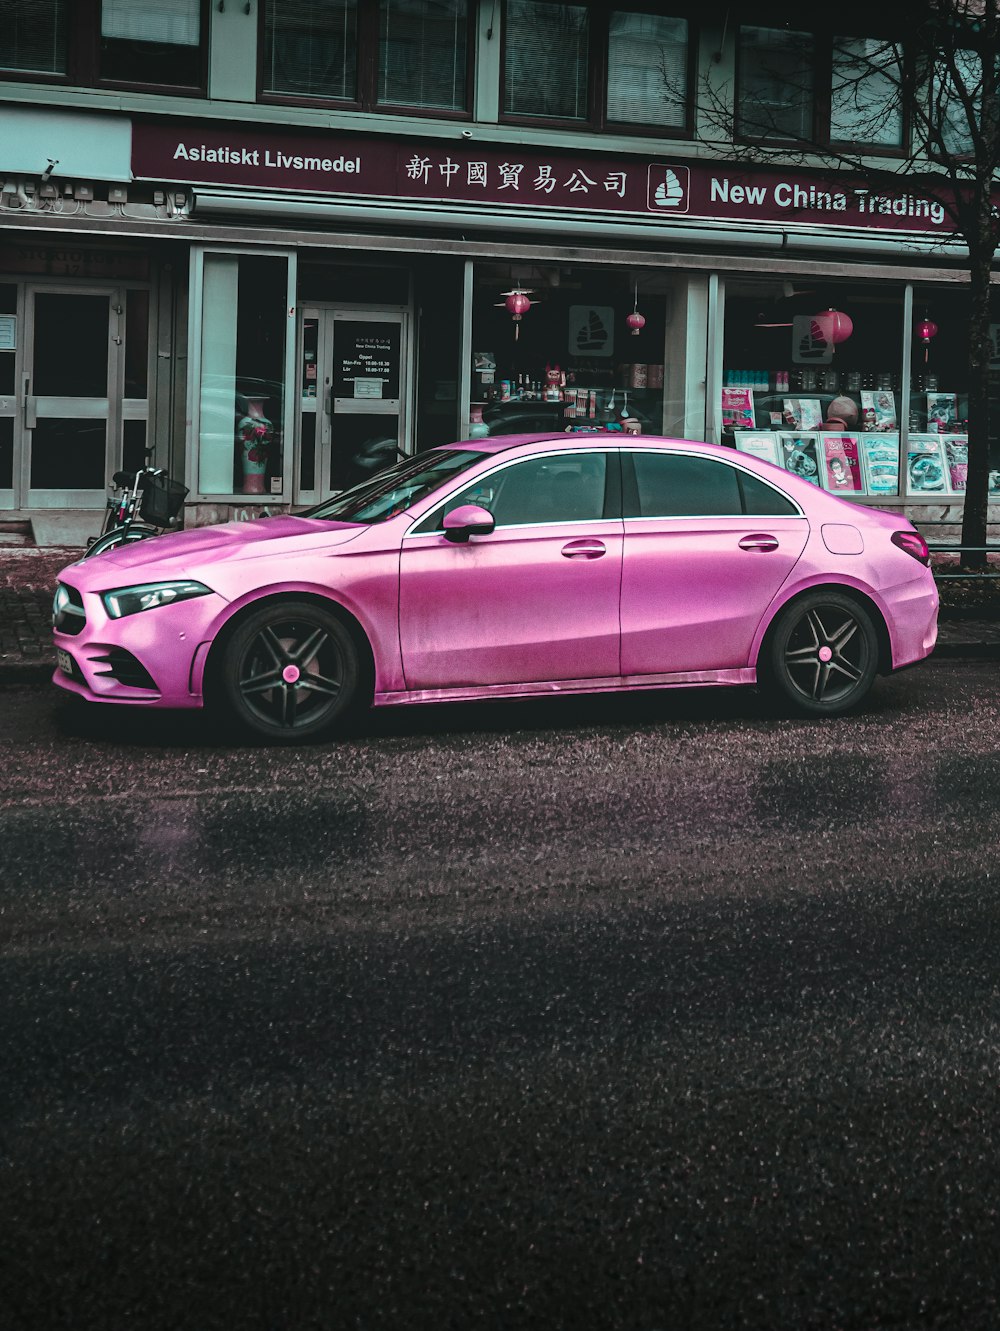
[(144, 659)]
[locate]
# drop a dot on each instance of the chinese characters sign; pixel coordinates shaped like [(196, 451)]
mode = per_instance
[(521, 178)]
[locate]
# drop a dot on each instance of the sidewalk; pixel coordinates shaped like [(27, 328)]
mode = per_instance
[(28, 576)]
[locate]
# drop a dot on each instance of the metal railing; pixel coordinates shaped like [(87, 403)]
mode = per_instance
[(946, 547)]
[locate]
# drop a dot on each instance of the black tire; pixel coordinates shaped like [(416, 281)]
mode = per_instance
[(117, 536), (822, 655), (291, 672)]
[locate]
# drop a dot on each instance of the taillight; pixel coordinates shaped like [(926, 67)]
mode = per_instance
[(914, 544)]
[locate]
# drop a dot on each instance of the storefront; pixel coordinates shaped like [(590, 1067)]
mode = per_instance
[(278, 315)]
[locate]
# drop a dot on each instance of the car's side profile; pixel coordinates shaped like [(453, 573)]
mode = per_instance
[(510, 567)]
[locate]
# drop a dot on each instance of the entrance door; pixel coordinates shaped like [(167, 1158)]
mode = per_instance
[(354, 385), (70, 395)]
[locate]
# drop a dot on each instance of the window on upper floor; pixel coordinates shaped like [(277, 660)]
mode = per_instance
[(624, 67), (393, 54), (819, 86), (92, 42), (956, 101)]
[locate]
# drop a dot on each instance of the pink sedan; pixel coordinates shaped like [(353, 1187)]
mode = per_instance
[(509, 567)]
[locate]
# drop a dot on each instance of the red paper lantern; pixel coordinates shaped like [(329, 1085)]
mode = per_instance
[(926, 329), (834, 325), (636, 322), (517, 302)]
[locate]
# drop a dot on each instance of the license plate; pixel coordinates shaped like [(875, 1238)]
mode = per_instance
[(64, 661)]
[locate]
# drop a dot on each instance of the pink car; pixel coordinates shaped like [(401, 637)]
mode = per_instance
[(509, 567)]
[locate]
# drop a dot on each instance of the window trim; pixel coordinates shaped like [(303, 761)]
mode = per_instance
[(823, 35), (366, 72), (597, 121)]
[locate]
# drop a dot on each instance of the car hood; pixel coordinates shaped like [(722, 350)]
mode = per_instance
[(198, 548)]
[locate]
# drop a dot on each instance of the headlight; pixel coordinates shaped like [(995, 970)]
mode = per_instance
[(130, 600)]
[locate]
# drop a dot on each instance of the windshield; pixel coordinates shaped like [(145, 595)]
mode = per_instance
[(396, 488)]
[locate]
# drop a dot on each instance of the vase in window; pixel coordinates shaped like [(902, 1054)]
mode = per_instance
[(254, 433)]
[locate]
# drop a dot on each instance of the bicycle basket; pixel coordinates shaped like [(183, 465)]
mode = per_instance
[(162, 499)]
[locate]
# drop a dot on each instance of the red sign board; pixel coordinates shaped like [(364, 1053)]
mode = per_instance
[(520, 177)]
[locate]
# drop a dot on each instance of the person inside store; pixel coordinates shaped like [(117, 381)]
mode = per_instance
[(841, 414)]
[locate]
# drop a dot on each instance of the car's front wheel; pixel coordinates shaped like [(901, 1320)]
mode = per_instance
[(822, 655), (291, 672)]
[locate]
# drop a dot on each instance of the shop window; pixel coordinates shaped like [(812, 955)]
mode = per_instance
[(395, 54), (818, 87), (570, 361), (585, 64), (133, 42), (812, 381), (243, 372), (937, 416)]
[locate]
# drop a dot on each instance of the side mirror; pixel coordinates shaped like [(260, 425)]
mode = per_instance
[(467, 520)]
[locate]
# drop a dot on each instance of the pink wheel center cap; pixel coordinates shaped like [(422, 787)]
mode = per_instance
[(825, 654), (290, 674)]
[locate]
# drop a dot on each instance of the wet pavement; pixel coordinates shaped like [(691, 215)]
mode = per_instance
[(630, 1013)]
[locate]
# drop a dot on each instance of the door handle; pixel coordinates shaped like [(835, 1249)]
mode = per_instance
[(759, 541), (584, 549), (30, 404)]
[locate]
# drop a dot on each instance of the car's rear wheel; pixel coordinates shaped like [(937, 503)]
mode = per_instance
[(291, 672), (822, 655)]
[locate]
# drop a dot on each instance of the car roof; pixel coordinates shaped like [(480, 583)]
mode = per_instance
[(583, 439)]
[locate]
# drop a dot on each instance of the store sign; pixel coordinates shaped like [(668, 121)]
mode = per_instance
[(366, 360), (522, 178)]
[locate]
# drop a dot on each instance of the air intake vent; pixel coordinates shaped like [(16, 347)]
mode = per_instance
[(124, 667)]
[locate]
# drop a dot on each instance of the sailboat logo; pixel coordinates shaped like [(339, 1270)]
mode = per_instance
[(668, 189)]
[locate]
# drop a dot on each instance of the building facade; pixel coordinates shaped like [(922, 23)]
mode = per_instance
[(274, 242)]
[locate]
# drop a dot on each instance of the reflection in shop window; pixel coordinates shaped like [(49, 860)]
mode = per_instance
[(243, 369)]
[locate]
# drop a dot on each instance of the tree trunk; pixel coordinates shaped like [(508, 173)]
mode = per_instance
[(974, 525)]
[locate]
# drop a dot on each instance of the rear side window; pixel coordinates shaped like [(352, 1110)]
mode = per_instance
[(675, 485), (761, 500)]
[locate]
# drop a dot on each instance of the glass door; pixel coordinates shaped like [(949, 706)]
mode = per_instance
[(354, 384), (70, 394)]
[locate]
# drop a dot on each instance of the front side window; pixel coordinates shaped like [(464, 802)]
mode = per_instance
[(585, 64), (565, 488), (398, 53)]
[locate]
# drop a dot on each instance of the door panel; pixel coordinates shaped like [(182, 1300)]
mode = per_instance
[(692, 597), (71, 407), (510, 608)]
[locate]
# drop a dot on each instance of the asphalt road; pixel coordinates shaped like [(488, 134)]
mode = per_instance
[(642, 1013)]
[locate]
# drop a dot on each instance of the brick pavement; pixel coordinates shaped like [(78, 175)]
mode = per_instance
[(28, 577)]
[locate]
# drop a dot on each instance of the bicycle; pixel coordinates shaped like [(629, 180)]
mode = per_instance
[(147, 504)]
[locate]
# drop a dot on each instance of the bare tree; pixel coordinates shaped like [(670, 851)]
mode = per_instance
[(934, 90)]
